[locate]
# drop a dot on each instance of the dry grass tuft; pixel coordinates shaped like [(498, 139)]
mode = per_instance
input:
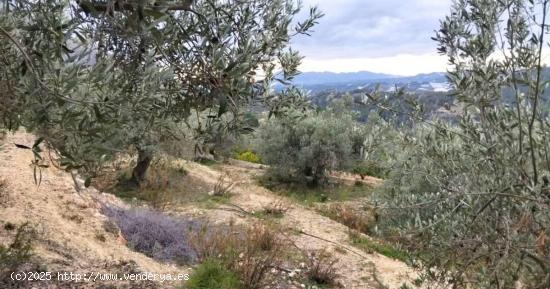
[(354, 218), (322, 268), (260, 253), (249, 252), (276, 209), (262, 238), (213, 242), (223, 187)]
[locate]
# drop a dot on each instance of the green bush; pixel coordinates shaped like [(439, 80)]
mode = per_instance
[(370, 168), (303, 148), (248, 156), (212, 274)]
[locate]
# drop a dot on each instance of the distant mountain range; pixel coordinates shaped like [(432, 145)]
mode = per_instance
[(319, 81), (431, 90), (312, 78)]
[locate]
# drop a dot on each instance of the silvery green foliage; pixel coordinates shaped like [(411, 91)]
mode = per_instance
[(96, 78), (473, 199), (374, 148), (304, 147)]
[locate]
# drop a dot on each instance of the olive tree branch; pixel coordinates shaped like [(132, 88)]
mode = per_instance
[(537, 92)]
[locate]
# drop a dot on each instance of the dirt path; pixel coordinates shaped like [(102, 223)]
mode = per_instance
[(356, 268)]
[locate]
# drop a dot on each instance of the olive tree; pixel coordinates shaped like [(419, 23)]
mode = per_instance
[(473, 199), (305, 146), (97, 78)]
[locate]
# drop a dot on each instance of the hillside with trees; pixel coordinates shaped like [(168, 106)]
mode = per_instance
[(174, 144)]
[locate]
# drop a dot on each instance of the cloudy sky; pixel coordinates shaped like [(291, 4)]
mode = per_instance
[(387, 36)]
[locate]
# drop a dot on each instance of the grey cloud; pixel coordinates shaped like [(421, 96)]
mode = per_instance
[(373, 28)]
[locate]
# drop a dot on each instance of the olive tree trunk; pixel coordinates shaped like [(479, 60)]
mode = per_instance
[(144, 161)]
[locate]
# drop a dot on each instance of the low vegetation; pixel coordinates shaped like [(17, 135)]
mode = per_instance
[(240, 256), (166, 184), (274, 210), (19, 252), (250, 253), (383, 248), (155, 234), (355, 218), (212, 274), (223, 187), (322, 268), (248, 156), (370, 168), (310, 196)]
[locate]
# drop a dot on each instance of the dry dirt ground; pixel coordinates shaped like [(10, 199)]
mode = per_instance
[(72, 235), (71, 231)]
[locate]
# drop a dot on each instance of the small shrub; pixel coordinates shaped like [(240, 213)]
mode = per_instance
[(213, 242), (304, 148), (321, 269), (361, 171), (157, 235), (262, 237), (260, 251), (212, 274), (251, 253), (19, 252), (248, 156), (223, 187), (353, 218), (370, 168), (275, 209)]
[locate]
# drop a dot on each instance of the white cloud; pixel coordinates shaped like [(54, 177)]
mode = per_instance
[(391, 36)]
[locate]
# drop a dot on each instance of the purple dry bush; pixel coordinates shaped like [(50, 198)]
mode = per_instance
[(155, 234)]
